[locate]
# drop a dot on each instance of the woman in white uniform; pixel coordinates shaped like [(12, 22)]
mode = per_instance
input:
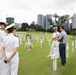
[(2, 36), (55, 43), (10, 51)]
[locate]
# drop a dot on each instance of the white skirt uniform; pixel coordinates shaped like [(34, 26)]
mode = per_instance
[(55, 43), (9, 43)]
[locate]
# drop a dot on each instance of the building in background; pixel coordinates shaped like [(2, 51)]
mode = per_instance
[(47, 23), (43, 21), (67, 25), (40, 20), (18, 26), (9, 20), (74, 21), (71, 26)]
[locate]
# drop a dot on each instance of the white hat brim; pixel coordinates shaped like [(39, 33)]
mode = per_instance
[(10, 26), (55, 27)]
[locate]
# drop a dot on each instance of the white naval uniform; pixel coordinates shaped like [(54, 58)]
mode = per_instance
[(2, 36), (55, 43), (9, 43)]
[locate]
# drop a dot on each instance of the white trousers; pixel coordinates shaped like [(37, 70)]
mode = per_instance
[(55, 44), (2, 71), (11, 68)]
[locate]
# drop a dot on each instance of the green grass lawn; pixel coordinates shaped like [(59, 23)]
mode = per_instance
[(36, 62)]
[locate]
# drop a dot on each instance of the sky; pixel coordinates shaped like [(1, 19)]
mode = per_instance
[(27, 10)]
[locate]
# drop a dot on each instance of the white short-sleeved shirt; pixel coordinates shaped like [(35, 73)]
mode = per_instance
[(55, 34), (10, 42), (2, 36)]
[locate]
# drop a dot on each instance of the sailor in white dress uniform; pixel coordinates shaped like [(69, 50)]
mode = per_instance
[(10, 51), (2, 36), (55, 43)]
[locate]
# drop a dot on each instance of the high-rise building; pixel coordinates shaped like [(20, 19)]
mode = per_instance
[(74, 21), (66, 25), (71, 26), (40, 20), (18, 26), (43, 21), (9, 20), (47, 23)]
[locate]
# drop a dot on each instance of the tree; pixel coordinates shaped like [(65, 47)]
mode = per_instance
[(32, 26), (56, 16), (63, 19), (59, 20), (39, 28), (24, 27)]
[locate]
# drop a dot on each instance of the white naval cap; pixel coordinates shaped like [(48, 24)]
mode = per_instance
[(10, 26), (55, 28)]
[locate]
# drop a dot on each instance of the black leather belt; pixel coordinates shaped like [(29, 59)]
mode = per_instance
[(62, 43)]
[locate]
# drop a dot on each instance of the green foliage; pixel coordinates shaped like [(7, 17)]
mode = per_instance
[(39, 28), (25, 27), (73, 32), (63, 19), (68, 31), (32, 26), (50, 30), (59, 20)]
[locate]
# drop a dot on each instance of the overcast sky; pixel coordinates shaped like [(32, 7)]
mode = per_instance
[(27, 10)]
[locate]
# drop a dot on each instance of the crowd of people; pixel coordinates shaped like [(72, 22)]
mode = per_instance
[(9, 43)]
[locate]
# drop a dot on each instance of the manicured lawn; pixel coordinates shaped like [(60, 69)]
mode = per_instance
[(36, 62)]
